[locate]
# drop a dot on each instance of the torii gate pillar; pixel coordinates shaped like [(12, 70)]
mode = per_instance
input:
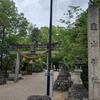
[(17, 67), (94, 52)]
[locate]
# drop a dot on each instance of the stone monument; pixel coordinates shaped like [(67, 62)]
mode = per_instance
[(94, 49)]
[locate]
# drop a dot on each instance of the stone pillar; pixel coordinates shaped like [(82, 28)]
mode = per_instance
[(94, 52), (17, 66)]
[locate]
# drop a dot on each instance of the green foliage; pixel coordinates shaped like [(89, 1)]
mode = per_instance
[(13, 27), (69, 17), (38, 67), (16, 39), (44, 34), (11, 21), (35, 36), (22, 25), (7, 12), (74, 39), (94, 3), (57, 58), (84, 75), (8, 63)]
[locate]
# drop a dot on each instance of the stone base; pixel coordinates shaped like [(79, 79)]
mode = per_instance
[(63, 82), (37, 97), (62, 85), (85, 99), (12, 76), (77, 92), (2, 81)]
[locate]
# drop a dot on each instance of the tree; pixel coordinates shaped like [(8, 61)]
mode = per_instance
[(44, 34), (34, 34), (94, 3), (75, 35), (10, 20), (11, 24), (76, 39)]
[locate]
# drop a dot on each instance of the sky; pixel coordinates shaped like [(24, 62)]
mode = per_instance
[(37, 11)]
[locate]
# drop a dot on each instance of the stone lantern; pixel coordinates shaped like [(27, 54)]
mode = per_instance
[(77, 71), (77, 91), (78, 62)]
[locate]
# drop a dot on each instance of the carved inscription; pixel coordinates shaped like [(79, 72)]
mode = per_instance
[(94, 26), (94, 44), (93, 61), (95, 79)]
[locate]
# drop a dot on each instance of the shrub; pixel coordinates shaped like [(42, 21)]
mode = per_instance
[(37, 67)]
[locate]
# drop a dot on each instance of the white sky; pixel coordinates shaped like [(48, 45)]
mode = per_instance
[(37, 11)]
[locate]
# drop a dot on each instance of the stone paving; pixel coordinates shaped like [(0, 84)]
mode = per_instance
[(30, 85)]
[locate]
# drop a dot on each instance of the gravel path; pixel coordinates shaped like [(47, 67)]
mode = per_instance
[(30, 85)]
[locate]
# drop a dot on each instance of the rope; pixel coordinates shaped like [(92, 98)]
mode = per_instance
[(27, 57), (35, 56)]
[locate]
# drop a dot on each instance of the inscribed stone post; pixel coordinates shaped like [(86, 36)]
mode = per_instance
[(94, 52)]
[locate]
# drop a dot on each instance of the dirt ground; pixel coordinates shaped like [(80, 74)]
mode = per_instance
[(30, 85)]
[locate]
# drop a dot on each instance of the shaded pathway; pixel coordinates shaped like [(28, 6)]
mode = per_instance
[(30, 85)]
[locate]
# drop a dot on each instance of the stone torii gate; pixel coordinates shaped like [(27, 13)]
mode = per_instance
[(29, 46), (94, 49)]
